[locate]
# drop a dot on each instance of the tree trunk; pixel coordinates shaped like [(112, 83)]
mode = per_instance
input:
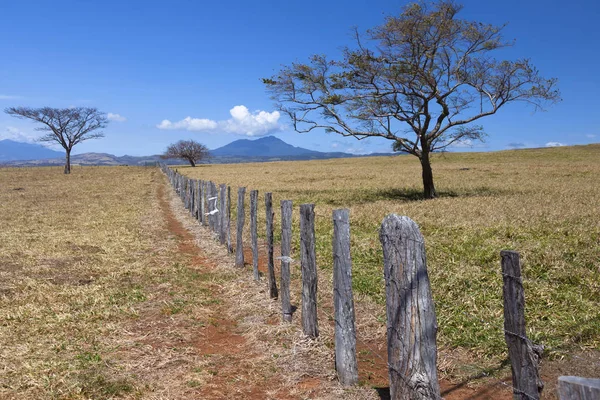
[(192, 163), (68, 162), (428, 186)]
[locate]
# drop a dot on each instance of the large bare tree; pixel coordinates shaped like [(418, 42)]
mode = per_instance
[(188, 150), (420, 79), (65, 126)]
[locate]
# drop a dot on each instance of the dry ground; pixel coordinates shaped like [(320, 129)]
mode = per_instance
[(542, 203), (109, 289)]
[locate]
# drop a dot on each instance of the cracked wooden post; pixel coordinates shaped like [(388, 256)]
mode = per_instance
[(193, 202), (286, 250), (215, 209), (411, 321), (270, 264), (524, 356), (198, 199), (578, 388), (239, 249), (223, 215), (229, 246), (308, 262), (210, 204), (254, 232), (343, 301), (204, 203)]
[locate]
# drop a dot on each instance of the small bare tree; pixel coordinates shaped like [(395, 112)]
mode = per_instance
[(420, 79), (188, 150), (65, 126)]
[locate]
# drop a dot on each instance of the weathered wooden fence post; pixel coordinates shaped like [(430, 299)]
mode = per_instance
[(308, 262), (222, 214), (215, 209), (239, 249), (198, 197), (229, 246), (270, 264), (286, 250), (577, 388), (254, 232), (204, 203), (193, 196), (411, 321), (210, 202), (524, 356), (343, 301)]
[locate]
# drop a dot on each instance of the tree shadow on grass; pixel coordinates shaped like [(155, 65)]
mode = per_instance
[(362, 196)]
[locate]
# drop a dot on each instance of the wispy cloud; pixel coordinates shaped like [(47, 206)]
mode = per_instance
[(242, 122), (116, 117), (12, 133), (516, 145), (9, 97), (555, 144), (590, 136)]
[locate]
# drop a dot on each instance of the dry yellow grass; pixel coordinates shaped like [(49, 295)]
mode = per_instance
[(88, 276), (101, 296), (541, 202)]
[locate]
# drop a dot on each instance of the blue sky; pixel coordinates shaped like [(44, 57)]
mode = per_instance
[(153, 64)]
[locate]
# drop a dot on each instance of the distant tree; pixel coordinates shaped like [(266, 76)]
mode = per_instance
[(188, 150), (420, 80), (65, 126)]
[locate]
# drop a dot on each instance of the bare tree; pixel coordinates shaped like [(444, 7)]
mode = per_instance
[(420, 79), (65, 126), (188, 150)]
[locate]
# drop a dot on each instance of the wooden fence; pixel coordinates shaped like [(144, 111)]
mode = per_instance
[(411, 318)]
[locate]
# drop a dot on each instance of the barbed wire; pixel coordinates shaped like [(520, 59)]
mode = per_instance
[(374, 352)]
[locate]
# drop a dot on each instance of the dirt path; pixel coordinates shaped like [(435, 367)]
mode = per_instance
[(233, 375)]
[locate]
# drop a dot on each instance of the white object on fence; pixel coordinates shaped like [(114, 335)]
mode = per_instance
[(285, 259)]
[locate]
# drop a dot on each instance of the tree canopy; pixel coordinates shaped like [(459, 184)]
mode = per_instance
[(188, 150), (65, 126), (421, 79)]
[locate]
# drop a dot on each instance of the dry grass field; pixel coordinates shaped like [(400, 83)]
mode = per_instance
[(544, 203), (108, 288)]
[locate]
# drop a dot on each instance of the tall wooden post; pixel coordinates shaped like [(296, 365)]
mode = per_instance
[(578, 388), (286, 251), (343, 301), (270, 264), (524, 356), (229, 246), (411, 321), (239, 249), (204, 203), (308, 262), (222, 214), (254, 232)]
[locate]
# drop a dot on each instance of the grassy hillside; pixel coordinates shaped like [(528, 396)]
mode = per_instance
[(543, 203)]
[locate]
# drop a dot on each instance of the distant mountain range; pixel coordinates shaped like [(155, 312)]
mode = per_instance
[(267, 148), (16, 151)]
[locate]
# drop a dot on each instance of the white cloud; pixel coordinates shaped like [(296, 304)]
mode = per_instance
[(590, 136), (12, 133), (116, 117), (9, 97), (554, 144), (242, 122), (188, 124), (462, 143)]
